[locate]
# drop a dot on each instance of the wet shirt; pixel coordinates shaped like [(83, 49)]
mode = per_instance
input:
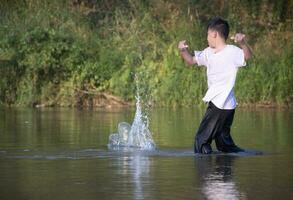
[(221, 74)]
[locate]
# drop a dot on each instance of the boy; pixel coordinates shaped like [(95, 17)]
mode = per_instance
[(222, 62)]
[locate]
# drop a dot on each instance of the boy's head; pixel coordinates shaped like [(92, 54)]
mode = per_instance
[(218, 29)]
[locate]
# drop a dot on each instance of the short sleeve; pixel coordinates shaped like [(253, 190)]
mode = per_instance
[(201, 57), (239, 59)]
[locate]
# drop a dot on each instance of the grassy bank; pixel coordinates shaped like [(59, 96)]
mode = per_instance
[(86, 52)]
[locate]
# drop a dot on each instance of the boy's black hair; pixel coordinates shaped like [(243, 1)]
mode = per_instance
[(219, 25)]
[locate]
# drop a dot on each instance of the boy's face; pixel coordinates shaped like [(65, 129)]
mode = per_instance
[(211, 38)]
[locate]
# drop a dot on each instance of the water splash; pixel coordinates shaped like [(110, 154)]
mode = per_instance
[(136, 135)]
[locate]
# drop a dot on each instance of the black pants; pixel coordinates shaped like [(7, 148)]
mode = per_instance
[(216, 125)]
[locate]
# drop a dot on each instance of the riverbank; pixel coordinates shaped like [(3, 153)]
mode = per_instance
[(109, 101)]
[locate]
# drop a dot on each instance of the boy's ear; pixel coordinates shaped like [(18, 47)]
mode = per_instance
[(215, 34)]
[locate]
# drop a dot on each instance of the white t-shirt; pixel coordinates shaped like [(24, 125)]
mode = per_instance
[(221, 74)]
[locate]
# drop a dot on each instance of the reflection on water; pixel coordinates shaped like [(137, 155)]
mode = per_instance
[(138, 167), (216, 177)]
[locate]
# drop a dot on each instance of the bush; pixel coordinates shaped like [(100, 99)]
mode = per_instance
[(51, 51)]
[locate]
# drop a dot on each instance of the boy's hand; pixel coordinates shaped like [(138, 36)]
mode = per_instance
[(182, 45), (239, 38)]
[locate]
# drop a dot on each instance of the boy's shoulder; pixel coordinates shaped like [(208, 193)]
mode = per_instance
[(233, 47), (230, 47), (208, 50)]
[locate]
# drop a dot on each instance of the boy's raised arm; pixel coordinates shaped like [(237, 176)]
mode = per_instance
[(183, 48), (240, 39)]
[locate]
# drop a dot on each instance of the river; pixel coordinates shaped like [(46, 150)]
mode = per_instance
[(61, 153)]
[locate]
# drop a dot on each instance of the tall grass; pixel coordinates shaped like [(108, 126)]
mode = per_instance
[(67, 52)]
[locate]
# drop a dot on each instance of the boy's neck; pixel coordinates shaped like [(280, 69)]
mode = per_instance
[(220, 44)]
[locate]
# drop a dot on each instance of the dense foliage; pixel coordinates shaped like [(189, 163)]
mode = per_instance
[(74, 52)]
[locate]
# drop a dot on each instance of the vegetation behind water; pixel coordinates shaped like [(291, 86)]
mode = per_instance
[(86, 52)]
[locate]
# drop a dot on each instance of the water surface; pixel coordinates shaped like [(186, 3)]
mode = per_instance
[(62, 154)]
